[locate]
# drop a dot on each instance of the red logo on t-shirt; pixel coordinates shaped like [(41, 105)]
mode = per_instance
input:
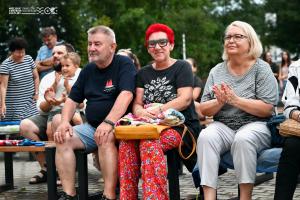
[(108, 83), (109, 86)]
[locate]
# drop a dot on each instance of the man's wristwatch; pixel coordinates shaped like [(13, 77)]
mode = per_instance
[(109, 122)]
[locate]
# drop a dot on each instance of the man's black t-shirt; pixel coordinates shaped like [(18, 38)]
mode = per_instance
[(160, 86), (101, 87)]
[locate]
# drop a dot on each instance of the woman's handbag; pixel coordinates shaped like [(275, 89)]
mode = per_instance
[(290, 127), (139, 132), (277, 140)]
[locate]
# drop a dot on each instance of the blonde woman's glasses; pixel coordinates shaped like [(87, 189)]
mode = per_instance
[(235, 37)]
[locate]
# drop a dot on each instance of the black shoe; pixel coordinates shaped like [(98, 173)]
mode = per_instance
[(65, 196), (105, 198)]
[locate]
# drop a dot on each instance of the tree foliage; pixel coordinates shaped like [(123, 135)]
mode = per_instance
[(202, 21), (286, 31)]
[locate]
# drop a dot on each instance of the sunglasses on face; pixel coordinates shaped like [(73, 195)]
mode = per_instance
[(160, 42)]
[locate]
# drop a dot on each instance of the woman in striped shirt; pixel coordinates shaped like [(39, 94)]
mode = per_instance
[(19, 83)]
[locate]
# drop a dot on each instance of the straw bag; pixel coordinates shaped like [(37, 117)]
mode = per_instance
[(290, 127), (138, 132)]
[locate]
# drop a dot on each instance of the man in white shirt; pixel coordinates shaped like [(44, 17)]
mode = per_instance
[(34, 128)]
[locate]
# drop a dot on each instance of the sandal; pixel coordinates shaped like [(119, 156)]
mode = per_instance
[(39, 178), (27, 142)]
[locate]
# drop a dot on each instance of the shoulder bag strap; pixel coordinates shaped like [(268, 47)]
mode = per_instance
[(185, 131)]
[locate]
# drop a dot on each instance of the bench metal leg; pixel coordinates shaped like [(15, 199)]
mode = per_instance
[(51, 173), (173, 176), (263, 178), (82, 169), (9, 172)]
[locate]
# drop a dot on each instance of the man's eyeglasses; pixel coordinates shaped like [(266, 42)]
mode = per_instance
[(160, 42), (236, 37)]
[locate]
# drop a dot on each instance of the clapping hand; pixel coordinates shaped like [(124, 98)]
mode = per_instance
[(220, 95), (231, 97), (225, 94), (50, 97)]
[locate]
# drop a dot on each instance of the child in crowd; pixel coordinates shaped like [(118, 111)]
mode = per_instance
[(61, 87)]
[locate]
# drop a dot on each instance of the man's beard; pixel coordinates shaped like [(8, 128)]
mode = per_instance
[(57, 67)]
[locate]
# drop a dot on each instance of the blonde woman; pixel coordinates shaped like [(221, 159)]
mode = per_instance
[(240, 94)]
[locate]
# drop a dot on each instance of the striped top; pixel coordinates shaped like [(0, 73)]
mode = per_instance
[(258, 83), (20, 89)]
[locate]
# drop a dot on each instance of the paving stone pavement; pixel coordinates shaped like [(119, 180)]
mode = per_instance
[(24, 170)]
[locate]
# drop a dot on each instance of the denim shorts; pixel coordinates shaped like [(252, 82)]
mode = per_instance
[(86, 134)]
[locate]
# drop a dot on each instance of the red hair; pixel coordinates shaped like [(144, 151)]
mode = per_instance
[(153, 28)]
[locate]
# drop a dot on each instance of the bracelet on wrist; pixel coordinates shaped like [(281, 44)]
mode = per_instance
[(109, 122)]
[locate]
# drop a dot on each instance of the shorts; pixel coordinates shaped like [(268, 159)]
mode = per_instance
[(55, 112), (86, 134), (52, 114), (41, 122)]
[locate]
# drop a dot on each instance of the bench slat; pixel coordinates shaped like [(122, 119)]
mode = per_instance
[(26, 148)]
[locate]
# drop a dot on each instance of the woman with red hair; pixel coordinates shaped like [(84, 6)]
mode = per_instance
[(167, 81)]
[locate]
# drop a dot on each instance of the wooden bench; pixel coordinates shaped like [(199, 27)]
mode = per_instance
[(8, 161)]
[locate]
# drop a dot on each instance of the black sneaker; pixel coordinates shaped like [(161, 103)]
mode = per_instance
[(105, 198), (65, 196)]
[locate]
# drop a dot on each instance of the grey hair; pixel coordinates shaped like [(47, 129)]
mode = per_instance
[(256, 49), (103, 29), (47, 31)]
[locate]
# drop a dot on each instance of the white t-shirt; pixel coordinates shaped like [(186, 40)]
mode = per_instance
[(46, 83), (60, 89)]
